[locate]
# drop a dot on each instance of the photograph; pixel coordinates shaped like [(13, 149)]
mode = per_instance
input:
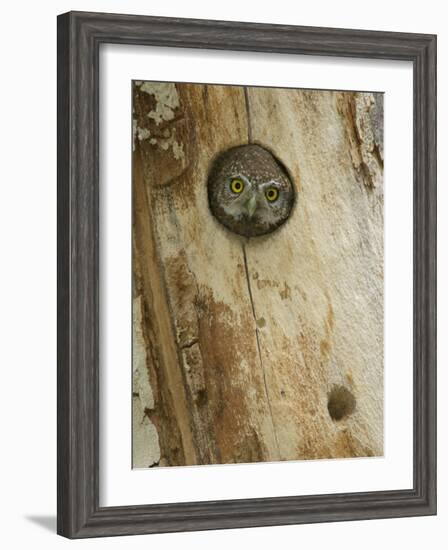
[(222, 241), (257, 274)]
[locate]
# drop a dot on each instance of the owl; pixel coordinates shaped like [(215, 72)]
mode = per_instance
[(249, 191)]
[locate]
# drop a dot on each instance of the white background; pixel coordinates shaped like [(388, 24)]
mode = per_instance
[(119, 484), (28, 274)]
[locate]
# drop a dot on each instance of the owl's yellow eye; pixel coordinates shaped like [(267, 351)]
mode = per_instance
[(237, 185), (272, 194)]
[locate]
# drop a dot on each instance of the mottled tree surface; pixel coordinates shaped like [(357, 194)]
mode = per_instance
[(268, 348)]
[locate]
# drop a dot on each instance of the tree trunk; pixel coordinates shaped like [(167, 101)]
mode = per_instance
[(268, 348)]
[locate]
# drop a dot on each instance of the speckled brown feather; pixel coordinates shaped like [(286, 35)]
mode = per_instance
[(259, 166)]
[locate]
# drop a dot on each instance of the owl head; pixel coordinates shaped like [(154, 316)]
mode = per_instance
[(249, 191)]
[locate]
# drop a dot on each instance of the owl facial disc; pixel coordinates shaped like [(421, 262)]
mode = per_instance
[(249, 191)]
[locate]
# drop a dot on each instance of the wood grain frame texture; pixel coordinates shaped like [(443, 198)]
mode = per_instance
[(79, 38)]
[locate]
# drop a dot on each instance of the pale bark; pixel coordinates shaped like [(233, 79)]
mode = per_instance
[(240, 345)]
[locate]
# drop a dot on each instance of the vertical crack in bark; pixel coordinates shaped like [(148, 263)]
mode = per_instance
[(206, 450), (257, 335), (249, 127), (178, 432)]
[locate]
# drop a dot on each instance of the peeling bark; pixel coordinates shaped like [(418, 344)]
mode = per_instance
[(269, 348)]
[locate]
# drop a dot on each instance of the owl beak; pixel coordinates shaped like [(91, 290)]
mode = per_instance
[(251, 206)]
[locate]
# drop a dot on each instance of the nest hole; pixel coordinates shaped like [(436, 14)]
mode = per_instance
[(341, 402)]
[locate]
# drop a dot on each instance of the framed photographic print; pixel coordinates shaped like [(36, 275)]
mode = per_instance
[(246, 274)]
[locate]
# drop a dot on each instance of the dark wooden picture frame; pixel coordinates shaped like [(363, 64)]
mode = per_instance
[(79, 38)]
